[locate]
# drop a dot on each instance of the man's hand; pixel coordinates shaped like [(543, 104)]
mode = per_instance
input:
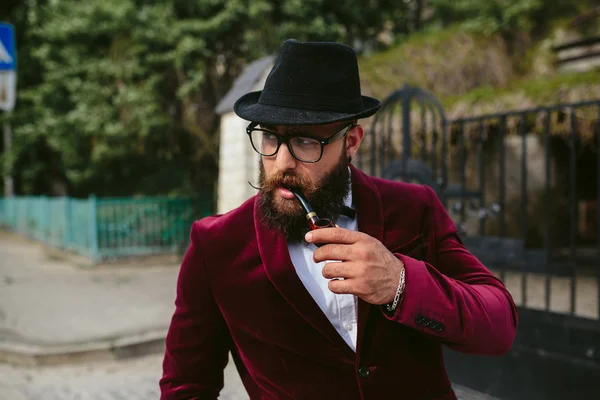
[(369, 270)]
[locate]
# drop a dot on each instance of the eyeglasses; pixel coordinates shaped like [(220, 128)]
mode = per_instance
[(303, 148)]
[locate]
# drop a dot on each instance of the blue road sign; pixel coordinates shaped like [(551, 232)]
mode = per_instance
[(8, 52)]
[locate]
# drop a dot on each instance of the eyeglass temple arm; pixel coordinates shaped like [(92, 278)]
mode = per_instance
[(341, 133), (252, 125)]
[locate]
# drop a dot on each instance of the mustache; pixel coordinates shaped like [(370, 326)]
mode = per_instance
[(286, 180)]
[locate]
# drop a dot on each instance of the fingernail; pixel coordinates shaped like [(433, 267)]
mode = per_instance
[(308, 236)]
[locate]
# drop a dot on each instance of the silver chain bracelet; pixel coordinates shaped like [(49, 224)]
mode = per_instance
[(399, 292)]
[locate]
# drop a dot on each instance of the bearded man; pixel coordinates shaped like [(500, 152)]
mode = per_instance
[(360, 310)]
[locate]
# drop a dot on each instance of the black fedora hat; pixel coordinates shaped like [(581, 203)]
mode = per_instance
[(311, 83)]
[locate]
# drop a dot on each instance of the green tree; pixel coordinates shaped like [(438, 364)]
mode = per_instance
[(507, 16), (117, 97)]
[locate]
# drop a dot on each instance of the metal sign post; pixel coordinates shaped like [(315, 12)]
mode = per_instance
[(8, 86)]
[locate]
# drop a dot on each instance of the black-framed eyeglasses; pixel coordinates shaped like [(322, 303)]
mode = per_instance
[(308, 149)]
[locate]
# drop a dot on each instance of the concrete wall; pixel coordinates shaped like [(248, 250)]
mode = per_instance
[(238, 164)]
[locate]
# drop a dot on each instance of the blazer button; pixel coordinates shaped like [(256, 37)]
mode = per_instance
[(364, 372)]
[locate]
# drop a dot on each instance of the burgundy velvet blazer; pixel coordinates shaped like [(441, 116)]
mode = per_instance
[(238, 291)]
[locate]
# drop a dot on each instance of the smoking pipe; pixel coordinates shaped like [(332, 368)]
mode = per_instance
[(314, 221)]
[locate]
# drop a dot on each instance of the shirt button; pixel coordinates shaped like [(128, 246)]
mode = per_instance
[(347, 326)]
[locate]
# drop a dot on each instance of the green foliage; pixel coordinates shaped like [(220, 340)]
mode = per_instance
[(117, 97), (490, 16), (544, 91), (508, 17), (97, 106), (447, 62)]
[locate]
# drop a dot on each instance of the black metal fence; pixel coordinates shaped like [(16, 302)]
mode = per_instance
[(541, 169), (522, 187)]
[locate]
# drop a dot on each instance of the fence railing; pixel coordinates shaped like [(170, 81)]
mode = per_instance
[(523, 188), (105, 228), (541, 167)]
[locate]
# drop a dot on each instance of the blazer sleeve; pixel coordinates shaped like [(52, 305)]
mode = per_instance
[(198, 341), (457, 301)]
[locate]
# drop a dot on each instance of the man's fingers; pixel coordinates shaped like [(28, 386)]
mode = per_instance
[(341, 286), (332, 235), (339, 270), (334, 251)]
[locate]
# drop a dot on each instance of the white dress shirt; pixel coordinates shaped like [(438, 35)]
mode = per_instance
[(340, 309)]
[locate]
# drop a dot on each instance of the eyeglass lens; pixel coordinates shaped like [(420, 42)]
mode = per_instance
[(305, 149)]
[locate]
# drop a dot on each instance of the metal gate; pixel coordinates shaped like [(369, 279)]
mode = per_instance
[(522, 187), (408, 141), (391, 141)]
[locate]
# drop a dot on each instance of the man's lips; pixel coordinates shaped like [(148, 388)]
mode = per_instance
[(286, 194)]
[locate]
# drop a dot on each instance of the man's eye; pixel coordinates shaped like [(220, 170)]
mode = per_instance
[(305, 142)]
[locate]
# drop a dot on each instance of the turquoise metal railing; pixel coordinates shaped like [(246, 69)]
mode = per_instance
[(103, 228)]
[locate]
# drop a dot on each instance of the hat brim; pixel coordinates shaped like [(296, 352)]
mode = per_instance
[(248, 108)]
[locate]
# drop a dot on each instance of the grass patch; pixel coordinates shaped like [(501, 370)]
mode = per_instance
[(460, 67), (444, 62), (527, 92), (475, 75)]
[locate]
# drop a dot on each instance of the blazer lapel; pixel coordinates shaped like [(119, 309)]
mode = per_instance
[(370, 221), (279, 268)]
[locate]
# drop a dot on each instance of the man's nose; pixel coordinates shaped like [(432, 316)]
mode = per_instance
[(284, 159)]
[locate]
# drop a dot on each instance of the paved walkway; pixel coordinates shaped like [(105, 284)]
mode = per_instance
[(52, 303), (49, 306), (134, 379)]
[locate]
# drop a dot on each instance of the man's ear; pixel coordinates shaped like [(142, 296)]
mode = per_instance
[(353, 140)]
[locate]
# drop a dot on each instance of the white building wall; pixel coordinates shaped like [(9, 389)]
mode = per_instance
[(238, 162), (236, 159)]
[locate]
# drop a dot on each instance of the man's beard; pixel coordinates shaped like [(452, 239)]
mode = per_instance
[(286, 215)]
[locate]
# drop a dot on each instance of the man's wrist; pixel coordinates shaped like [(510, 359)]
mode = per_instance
[(393, 305)]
